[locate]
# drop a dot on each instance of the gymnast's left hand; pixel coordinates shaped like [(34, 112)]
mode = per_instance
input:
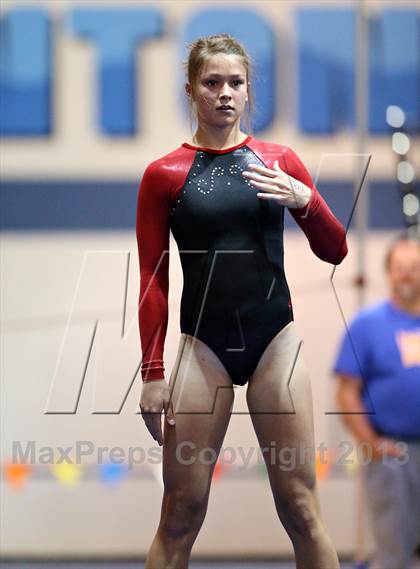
[(278, 185)]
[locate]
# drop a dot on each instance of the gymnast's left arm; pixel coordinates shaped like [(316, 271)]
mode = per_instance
[(325, 233), (290, 183)]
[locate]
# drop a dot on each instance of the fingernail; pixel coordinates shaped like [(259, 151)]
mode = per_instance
[(244, 173), (171, 422)]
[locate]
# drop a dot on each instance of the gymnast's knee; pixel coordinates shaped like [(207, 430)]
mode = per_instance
[(298, 509), (183, 513)]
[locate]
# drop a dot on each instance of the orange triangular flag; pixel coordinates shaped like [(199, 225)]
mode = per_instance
[(16, 473), (322, 464), (219, 470)]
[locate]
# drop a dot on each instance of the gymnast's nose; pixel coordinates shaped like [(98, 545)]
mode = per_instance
[(224, 94)]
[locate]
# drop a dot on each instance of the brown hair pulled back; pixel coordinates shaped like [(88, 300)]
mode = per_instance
[(200, 51)]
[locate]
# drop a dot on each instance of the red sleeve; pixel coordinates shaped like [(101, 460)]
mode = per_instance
[(326, 235), (152, 231)]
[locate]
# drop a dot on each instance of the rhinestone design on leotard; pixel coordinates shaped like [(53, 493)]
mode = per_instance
[(204, 186)]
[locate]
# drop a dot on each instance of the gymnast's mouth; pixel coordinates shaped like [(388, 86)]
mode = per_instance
[(225, 108)]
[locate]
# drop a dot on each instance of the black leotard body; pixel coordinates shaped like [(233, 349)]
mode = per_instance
[(235, 296)]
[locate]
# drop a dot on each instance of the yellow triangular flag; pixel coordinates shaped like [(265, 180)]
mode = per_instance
[(351, 463), (67, 473)]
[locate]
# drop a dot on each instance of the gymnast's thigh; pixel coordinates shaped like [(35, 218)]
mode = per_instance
[(202, 399), (279, 399)]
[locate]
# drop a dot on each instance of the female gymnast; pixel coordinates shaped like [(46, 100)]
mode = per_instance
[(223, 194)]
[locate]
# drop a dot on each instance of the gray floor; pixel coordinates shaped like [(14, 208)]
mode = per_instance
[(193, 565), (138, 565)]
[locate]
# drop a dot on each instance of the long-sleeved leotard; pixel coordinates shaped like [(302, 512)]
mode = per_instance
[(235, 295)]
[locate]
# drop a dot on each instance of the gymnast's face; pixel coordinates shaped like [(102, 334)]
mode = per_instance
[(404, 272), (222, 81)]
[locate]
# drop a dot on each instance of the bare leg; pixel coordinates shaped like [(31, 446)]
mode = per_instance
[(282, 416), (202, 400)]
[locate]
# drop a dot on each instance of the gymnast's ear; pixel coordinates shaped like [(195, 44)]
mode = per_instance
[(248, 88)]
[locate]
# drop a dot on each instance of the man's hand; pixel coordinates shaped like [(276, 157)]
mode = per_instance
[(155, 398), (382, 447), (278, 185)]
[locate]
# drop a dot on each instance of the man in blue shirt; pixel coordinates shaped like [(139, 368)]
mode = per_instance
[(378, 371)]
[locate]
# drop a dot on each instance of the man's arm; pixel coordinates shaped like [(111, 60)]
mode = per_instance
[(350, 403), (355, 418)]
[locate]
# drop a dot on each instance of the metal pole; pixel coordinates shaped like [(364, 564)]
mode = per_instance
[(361, 216), (361, 80)]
